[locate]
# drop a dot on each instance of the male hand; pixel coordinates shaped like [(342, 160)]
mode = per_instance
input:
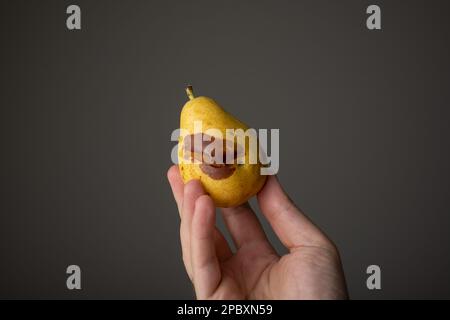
[(311, 270)]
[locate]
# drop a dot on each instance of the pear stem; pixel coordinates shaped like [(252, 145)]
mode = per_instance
[(190, 92)]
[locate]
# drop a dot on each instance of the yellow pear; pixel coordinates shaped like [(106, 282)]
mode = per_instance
[(228, 184)]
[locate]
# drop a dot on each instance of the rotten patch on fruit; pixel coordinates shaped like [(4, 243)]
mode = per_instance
[(211, 153)]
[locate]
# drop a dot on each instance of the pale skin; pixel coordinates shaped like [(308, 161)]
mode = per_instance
[(310, 270)]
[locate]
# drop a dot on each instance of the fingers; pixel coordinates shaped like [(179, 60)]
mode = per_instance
[(292, 227), (243, 225), (186, 196), (205, 265), (177, 185), (223, 250), (192, 190)]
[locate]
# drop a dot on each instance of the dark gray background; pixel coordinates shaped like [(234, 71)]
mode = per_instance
[(86, 118)]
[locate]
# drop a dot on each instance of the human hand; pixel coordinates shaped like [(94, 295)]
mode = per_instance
[(311, 270)]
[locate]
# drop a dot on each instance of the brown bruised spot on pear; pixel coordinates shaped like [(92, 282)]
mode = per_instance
[(228, 184)]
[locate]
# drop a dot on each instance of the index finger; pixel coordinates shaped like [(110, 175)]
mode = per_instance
[(177, 185)]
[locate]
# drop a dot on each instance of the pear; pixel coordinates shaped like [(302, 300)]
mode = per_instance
[(229, 185)]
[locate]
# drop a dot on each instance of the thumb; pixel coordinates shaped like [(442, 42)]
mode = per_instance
[(290, 224)]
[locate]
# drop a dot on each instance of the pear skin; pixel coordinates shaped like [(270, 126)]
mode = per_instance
[(245, 180)]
